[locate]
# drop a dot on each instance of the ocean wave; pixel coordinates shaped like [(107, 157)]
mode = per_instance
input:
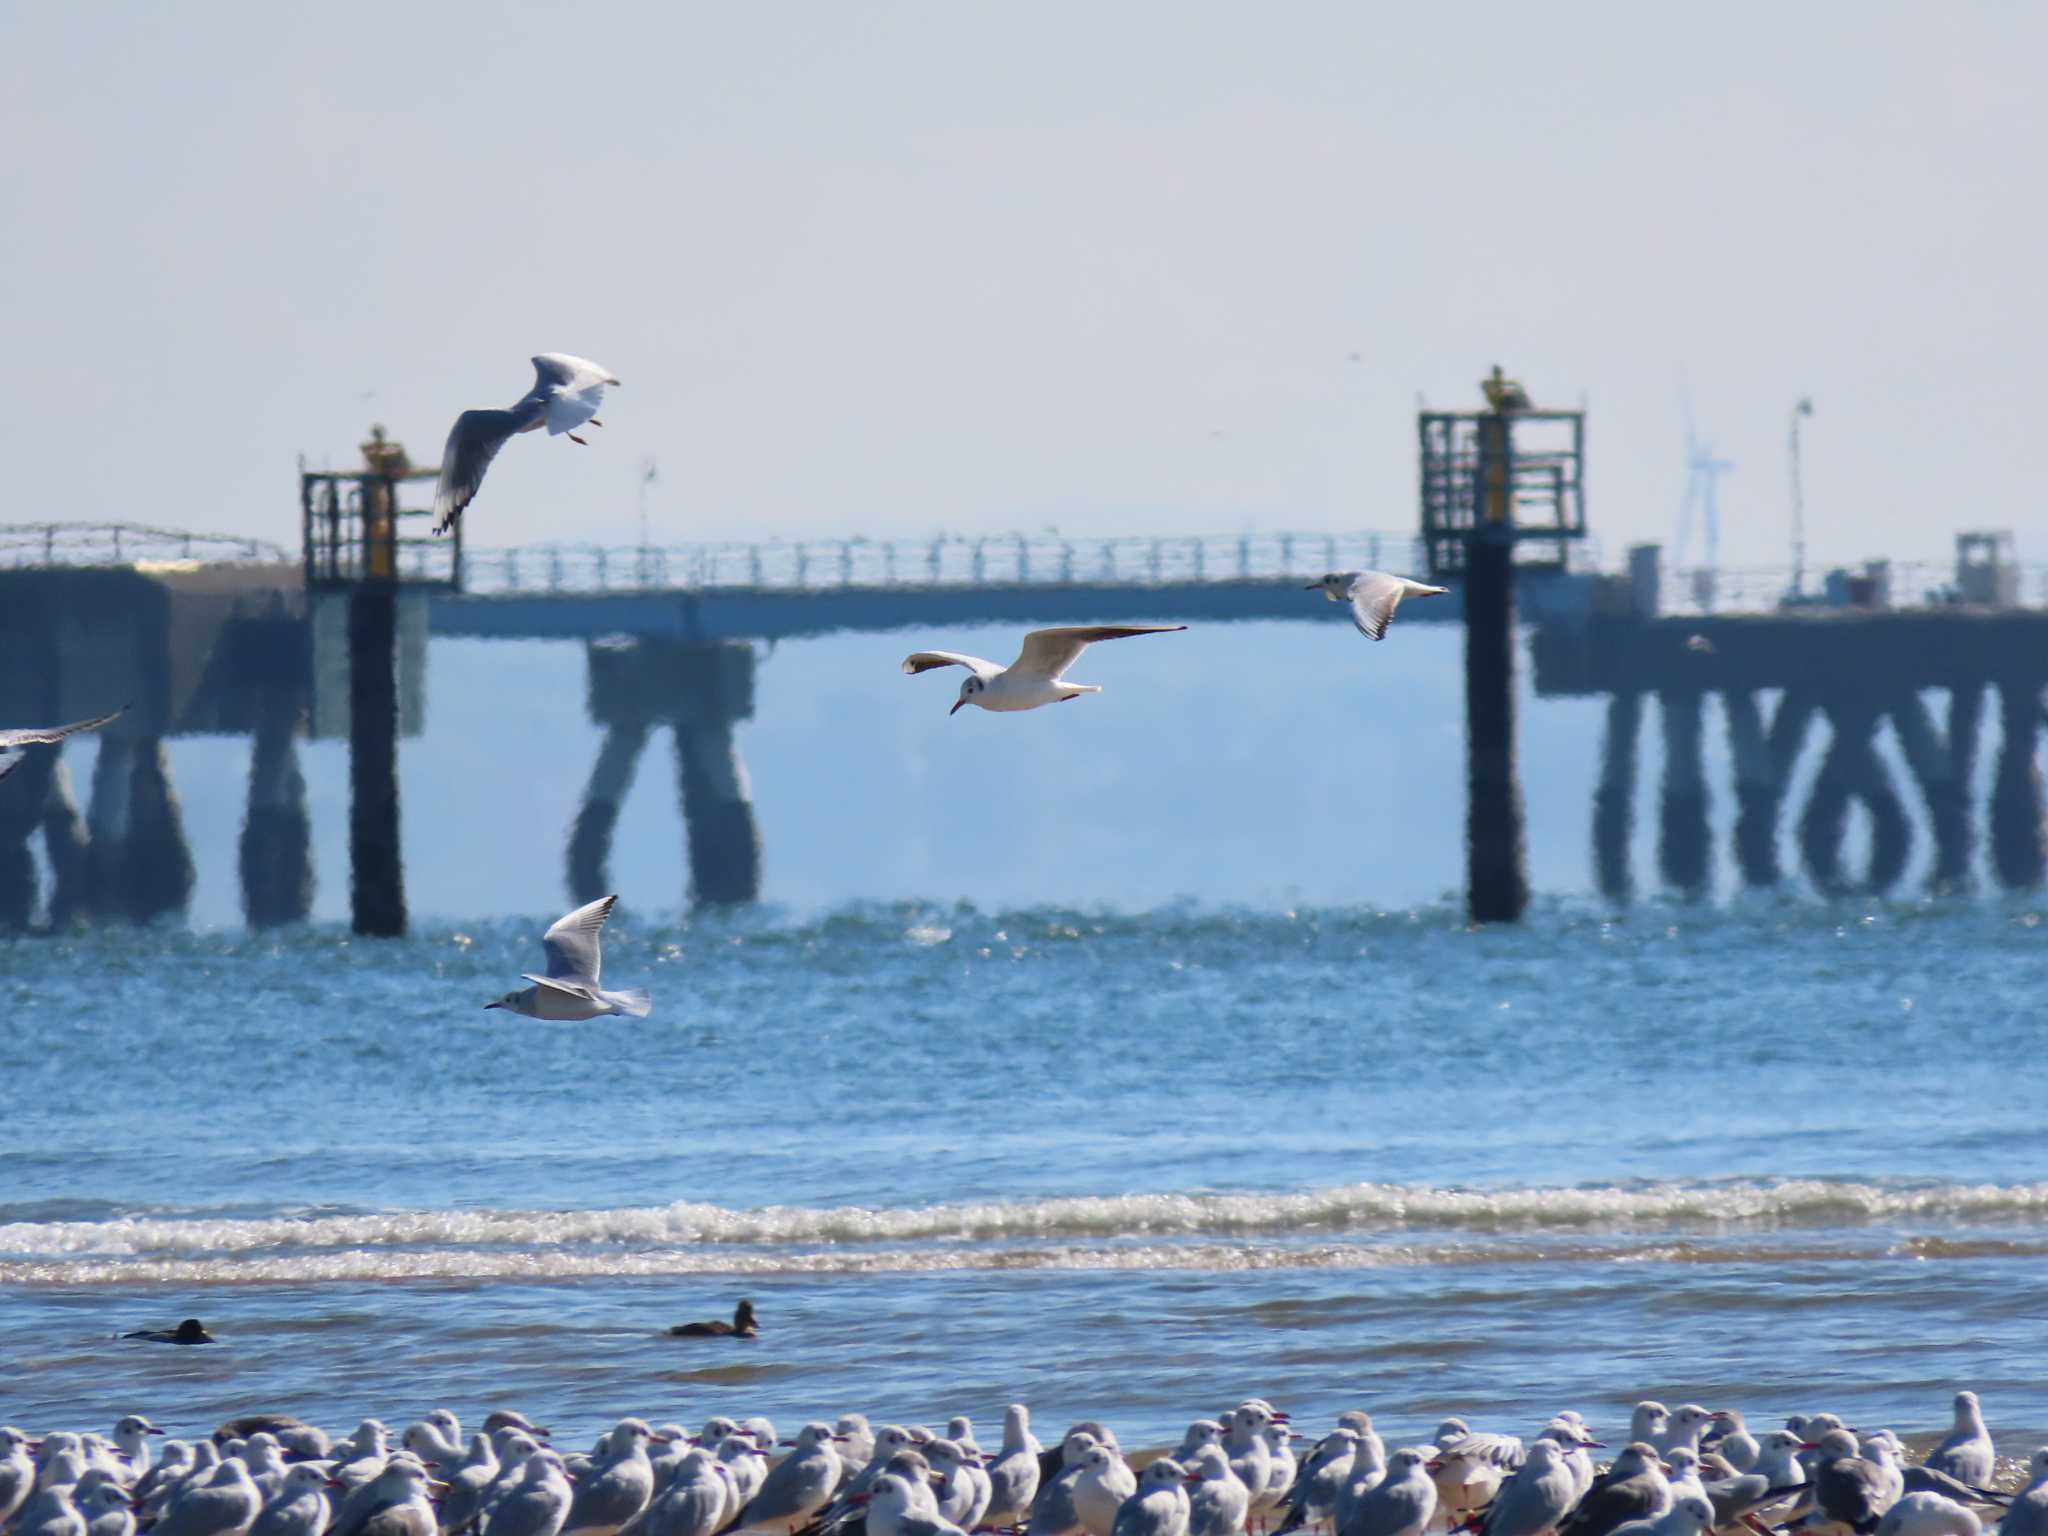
[(562, 1264), (1095, 1220)]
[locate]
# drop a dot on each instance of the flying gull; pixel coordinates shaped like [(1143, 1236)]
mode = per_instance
[(566, 393), (1036, 676), (570, 989), (1373, 596)]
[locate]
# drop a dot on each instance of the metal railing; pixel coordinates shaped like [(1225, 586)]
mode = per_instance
[(1880, 585), (110, 544), (821, 564)]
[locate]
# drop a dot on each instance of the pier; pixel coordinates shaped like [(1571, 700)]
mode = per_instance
[(1818, 700)]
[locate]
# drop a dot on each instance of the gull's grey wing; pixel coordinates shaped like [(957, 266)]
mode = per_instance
[(571, 944), (555, 984), (1374, 597), (473, 442), (793, 1490), (12, 741), (924, 661), (1049, 652)]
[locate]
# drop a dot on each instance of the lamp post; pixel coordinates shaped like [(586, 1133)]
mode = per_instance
[(1800, 411)]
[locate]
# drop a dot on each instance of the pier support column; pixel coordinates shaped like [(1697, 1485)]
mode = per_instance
[(2017, 852), (277, 838), (590, 841), (1683, 844), (1614, 798), (69, 850), (1763, 761), (1943, 767), (157, 869), (108, 816), (725, 845), (1497, 883), (21, 805), (702, 691), (376, 868), (1853, 770)]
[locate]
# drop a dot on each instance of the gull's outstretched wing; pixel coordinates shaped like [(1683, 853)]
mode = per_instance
[(924, 661), (1374, 597), (572, 387), (473, 442), (1049, 652), (571, 944), (12, 741)]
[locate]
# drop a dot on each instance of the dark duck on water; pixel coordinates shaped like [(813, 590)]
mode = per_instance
[(741, 1326)]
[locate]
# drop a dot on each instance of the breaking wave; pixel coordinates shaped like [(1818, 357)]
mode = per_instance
[(1356, 1225)]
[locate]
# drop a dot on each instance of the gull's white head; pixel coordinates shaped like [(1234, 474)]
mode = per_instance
[(968, 690), (510, 1002)]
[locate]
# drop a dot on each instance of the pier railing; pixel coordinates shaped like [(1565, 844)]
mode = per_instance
[(24, 545), (1008, 560), (821, 564)]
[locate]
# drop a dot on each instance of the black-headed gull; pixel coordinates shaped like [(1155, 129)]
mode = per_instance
[(566, 393), (1036, 677), (15, 742), (1373, 596), (570, 990)]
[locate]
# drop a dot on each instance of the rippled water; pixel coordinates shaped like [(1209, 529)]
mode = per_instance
[(1133, 1165)]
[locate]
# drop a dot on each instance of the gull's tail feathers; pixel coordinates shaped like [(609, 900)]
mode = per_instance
[(634, 1003)]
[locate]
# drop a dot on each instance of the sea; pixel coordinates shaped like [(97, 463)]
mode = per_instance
[(1137, 1165)]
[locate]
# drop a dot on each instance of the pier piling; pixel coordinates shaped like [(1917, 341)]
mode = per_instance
[(68, 847), (1683, 845), (376, 871), (1943, 767), (1497, 884), (590, 840), (21, 804), (1614, 797), (158, 872), (276, 849), (2017, 851)]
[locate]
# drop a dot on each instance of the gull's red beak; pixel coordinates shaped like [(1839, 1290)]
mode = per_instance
[(956, 706)]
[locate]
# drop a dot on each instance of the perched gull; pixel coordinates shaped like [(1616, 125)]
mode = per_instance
[(1013, 1475), (1929, 1514), (570, 989), (1967, 1453), (797, 1487), (1402, 1503), (1537, 1497), (12, 742), (566, 393), (1158, 1506), (1036, 676), (2028, 1513), (1373, 596)]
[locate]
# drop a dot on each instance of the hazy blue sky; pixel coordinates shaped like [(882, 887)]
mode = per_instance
[(893, 268)]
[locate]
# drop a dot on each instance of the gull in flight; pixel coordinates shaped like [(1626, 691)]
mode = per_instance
[(566, 393), (1035, 677), (13, 743), (570, 989), (1373, 596)]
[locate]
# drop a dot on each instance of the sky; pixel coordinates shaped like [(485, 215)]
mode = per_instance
[(897, 269)]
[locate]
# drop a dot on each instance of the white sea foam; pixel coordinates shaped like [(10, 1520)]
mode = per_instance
[(542, 1265), (1093, 1220)]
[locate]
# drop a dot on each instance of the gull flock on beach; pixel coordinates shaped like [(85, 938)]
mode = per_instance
[(1247, 1472)]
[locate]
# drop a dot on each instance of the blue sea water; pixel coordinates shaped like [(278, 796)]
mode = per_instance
[(1136, 1165)]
